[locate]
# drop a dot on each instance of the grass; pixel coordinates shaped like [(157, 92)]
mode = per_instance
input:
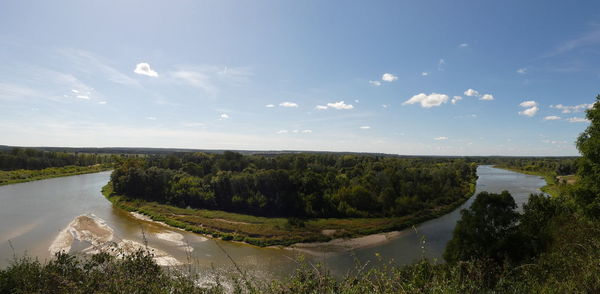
[(264, 231), (26, 175)]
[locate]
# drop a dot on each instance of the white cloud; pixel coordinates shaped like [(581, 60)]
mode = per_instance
[(388, 77), (365, 127), (102, 102), (151, 118), (455, 99), (85, 97), (75, 91), (522, 70), (144, 69), (356, 101), (224, 116), (385, 105), (306, 131), (340, 105), (577, 119), (281, 132), (572, 109), (424, 74), (270, 105), (375, 83), (427, 101), (463, 45), (440, 138), (288, 104), (529, 111), (471, 93), (529, 103), (441, 64), (552, 117), (487, 97), (531, 106)]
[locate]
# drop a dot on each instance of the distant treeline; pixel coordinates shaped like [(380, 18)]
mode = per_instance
[(300, 185), (553, 165), (33, 159)]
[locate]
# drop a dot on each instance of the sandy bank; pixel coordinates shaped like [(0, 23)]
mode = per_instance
[(85, 228), (94, 231), (345, 244), (315, 248)]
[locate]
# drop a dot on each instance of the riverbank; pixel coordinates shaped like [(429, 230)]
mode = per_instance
[(264, 231), (27, 175), (552, 187)]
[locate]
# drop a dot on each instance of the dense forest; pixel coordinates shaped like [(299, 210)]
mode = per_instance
[(300, 185), (34, 159)]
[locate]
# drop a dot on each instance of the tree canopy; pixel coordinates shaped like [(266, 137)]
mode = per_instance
[(588, 192), (299, 185), (29, 158)]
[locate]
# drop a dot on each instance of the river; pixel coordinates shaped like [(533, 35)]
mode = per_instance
[(32, 215)]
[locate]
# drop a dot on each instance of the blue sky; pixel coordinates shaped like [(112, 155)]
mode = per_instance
[(373, 76)]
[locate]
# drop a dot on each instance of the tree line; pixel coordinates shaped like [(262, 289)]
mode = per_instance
[(554, 165), (34, 159), (297, 185)]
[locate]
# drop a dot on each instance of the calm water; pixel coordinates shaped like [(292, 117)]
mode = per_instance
[(32, 214)]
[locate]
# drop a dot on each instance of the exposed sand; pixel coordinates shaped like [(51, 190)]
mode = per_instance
[(343, 245), (85, 228), (93, 230), (328, 233), (178, 239), (141, 216), (126, 247), (317, 248)]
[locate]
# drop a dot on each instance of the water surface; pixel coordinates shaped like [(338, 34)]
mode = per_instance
[(33, 213)]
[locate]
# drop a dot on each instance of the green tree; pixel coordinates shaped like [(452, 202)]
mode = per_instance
[(486, 230), (587, 193)]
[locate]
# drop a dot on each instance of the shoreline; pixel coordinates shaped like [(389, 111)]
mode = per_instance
[(337, 245), (336, 240), (551, 187), (51, 175)]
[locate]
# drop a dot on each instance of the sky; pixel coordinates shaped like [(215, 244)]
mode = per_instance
[(403, 77)]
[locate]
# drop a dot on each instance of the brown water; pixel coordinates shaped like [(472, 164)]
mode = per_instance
[(32, 215)]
